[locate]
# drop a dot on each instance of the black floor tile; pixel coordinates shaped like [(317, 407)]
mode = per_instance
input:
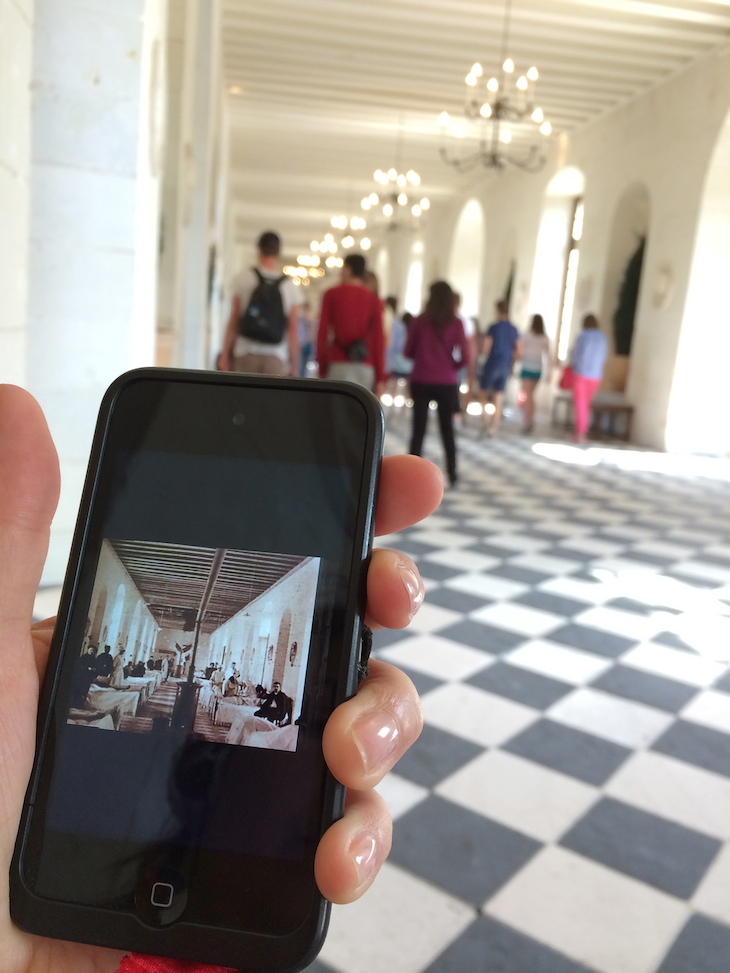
[(570, 554), (698, 745), (629, 605), (488, 946), (570, 751), (415, 548), (645, 687), (592, 640), (435, 756), (438, 572), (521, 685), (464, 853), (703, 946), (656, 851), (488, 638), (318, 967), (423, 683), (514, 572), (458, 601), (723, 683), (557, 604), (491, 550), (673, 640), (390, 636)]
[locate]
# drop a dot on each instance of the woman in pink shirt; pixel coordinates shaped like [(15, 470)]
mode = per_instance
[(432, 340)]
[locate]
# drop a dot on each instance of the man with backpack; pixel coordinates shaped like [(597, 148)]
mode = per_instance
[(261, 334)]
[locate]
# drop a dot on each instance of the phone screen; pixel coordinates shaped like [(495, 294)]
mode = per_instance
[(210, 630)]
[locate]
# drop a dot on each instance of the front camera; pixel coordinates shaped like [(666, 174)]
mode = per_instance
[(238, 419)]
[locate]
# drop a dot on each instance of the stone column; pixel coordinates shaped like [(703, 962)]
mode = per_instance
[(96, 141)]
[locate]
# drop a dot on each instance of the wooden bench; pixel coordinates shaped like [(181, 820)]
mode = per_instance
[(611, 414)]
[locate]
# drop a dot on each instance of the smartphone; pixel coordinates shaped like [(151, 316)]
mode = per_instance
[(209, 624)]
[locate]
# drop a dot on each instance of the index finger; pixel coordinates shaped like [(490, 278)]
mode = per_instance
[(410, 489)]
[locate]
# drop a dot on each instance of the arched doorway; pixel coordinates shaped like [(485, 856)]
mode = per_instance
[(624, 262), (466, 259), (555, 271)]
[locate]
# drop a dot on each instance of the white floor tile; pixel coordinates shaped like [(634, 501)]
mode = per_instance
[(520, 794), (559, 662), (624, 570), (545, 564), (609, 922), (495, 524), (630, 625), (400, 925), (674, 663), (710, 709), (519, 618), (437, 657), (471, 713), (487, 586), (619, 720), (675, 790), (675, 552), (712, 896), (400, 795), (592, 592), (702, 571), (441, 538), (431, 618), (464, 560)]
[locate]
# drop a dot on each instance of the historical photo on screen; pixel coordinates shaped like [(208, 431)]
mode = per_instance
[(207, 640)]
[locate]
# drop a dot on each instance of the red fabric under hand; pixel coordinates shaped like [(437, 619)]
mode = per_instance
[(136, 963)]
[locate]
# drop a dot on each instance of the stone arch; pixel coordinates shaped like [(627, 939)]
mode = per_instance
[(466, 257), (631, 221), (551, 253)]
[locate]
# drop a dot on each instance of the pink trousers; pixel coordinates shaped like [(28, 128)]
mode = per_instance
[(583, 391)]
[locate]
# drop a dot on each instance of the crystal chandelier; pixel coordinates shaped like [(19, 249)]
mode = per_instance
[(400, 203), (504, 105)]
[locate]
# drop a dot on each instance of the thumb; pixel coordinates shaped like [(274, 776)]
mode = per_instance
[(29, 488)]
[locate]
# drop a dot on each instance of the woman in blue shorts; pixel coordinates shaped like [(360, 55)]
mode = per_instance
[(535, 354)]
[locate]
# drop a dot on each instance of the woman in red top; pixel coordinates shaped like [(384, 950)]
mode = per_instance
[(432, 339)]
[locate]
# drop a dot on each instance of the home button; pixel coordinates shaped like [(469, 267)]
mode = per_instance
[(161, 895)]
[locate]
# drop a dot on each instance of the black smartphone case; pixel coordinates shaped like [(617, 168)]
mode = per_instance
[(241, 950)]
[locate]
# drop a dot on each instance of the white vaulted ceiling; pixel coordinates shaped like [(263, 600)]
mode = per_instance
[(326, 85)]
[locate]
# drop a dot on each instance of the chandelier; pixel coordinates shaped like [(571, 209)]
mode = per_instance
[(398, 198), (504, 105)]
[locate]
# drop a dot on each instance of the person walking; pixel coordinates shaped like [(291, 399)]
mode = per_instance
[(350, 342), (535, 355), (501, 346), (587, 360), (432, 340), (262, 331)]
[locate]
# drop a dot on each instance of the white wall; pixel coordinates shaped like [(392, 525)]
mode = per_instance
[(16, 47)]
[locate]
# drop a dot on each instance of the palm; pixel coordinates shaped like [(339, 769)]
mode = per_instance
[(20, 952)]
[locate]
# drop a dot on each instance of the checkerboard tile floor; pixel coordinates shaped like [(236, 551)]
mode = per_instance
[(567, 808)]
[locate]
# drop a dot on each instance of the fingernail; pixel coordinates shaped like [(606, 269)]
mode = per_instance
[(364, 850), (376, 736), (413, 585)]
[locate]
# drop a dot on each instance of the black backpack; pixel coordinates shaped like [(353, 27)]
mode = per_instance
[(264, 318)]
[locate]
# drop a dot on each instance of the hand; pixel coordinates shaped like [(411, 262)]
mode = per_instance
[(353, 849)]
